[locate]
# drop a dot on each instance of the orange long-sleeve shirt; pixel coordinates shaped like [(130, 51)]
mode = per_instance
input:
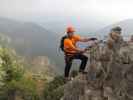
[(70, 44)]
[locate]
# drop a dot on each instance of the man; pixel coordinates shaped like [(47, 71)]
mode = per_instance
[(73, 52)]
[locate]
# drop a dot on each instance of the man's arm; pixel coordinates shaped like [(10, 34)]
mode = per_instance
[(72, 47), (75, 48), (87, 39)]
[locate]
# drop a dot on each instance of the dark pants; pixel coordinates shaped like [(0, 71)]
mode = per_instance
[(69, 59)]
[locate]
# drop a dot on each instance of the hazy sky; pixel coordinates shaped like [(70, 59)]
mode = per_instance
[(110, 9), (101, 11)]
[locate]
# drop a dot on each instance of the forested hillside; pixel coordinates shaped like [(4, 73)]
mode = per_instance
[(21, 78)]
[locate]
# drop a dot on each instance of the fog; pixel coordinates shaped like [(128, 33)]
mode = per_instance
[(97, 12)]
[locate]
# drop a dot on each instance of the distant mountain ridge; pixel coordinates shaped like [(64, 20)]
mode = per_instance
[(30, 39), (27, 33)]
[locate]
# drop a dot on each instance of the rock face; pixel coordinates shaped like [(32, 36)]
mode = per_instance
[(110, 74)]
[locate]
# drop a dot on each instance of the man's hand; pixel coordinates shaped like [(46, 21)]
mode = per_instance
[(93, 39)]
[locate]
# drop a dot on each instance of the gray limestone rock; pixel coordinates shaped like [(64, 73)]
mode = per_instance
[(110, 74)]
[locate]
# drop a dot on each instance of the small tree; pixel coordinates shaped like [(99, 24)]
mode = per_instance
[(54, 90), (12, 79)]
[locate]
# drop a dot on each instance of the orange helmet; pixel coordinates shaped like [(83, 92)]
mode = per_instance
[(70, 29)]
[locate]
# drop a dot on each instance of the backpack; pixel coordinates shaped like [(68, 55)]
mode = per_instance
[(62, 43)]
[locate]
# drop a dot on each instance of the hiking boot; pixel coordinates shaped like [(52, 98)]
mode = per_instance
[(83, 72), (67, 79), (83, 75)]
